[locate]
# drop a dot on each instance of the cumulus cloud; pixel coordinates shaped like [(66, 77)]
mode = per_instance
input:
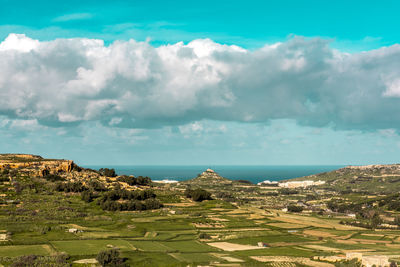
[(136, 85)]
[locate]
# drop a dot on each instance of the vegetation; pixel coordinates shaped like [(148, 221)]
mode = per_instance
[(294, 208), (110, 258), (130, 180), (71, 218), (198, 194), (107, 172)]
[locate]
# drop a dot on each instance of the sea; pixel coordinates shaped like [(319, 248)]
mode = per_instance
[(253, 174)]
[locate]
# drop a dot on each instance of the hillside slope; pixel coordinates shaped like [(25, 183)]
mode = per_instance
[(370, 178)]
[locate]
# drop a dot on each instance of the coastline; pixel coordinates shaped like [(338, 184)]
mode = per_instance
[(254, 174)]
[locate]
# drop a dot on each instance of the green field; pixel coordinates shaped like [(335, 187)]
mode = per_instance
[(242, 221), (195, 257), (90, 247), (14, 251)]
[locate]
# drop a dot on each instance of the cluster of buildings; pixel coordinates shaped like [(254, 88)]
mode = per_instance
[(294, 184)]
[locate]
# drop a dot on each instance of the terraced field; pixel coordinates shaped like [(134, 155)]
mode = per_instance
[(215, 232)]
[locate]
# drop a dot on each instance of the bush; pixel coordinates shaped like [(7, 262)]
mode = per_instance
[(140, 180), (226, 196), (294, 208), (107, 172), (87, 196), (110, 258), (131, 205), (76, 187), (97, 186), (53, 178), (198, 194), (59, 260), (152, 204), (22, 261), (204, 236), (288, 191)]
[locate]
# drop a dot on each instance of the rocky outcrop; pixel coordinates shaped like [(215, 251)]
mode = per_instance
[(35, 163), (209, 176)]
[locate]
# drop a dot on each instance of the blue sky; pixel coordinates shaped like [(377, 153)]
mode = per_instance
[(210, 82), (352, 24)]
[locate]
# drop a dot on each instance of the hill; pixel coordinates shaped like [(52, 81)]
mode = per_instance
[(370, 178), (209, 177), (55, 213)]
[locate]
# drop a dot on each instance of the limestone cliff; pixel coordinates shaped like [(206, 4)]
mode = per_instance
[(35, 163)]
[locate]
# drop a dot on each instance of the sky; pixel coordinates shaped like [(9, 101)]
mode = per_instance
[(197, 83)]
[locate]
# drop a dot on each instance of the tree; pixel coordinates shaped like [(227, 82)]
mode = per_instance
[(97, 186), (294, 208), (152, 204), (198, 194), (107, 172), (375, 220), (110, 258)]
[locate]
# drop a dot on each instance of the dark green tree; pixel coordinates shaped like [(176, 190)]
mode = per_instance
[(110, 258)]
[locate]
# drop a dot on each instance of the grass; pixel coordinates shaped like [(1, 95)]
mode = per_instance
[(195, 257), (144, 259), (188, 246), (171, 239), (284, 251), (15, 251), (270, 239), (172, 246), (371, 237), (150, 246), (89, 247)]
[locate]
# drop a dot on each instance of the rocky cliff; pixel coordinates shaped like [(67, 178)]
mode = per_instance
[(34, 163)]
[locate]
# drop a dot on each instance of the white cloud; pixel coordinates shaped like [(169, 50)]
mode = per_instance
[(392, 89), (18, 42), (135, 85), (73, 16)]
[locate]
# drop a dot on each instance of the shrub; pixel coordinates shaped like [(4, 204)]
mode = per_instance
[(87, 196), (152, 204), (198, 194), (53, 178), (107, 172), (288, 191), (97, 186), (140, 180), (22, 261), (294, 208), (110, 258), (76, 187), (204, 236)]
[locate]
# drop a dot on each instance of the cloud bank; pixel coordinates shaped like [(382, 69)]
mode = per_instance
[(135, 85)]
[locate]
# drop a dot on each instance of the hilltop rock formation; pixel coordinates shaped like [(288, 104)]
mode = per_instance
[(209, 176)]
